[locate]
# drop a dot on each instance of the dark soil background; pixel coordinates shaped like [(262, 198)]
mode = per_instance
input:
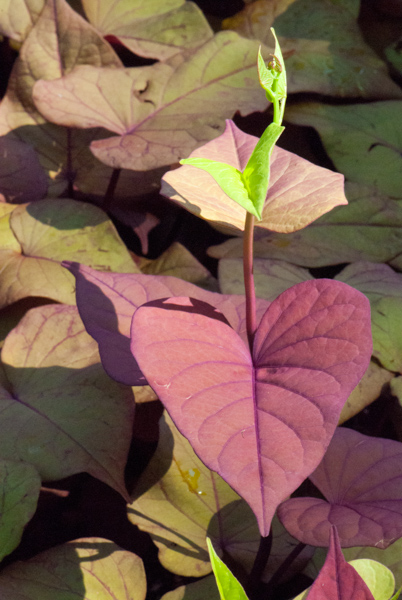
[(81, 506)]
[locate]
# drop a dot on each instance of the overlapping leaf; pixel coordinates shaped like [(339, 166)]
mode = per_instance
[(273, 277), (90, 568), (361, 479), (60, 412), (374, 280), (299, 191), (263, 438), (19, 492), (322, 45), (107, 302), (387, 324), (378, 578), (47, 54), (364, 141), (162, 112), (369, 228), (37, 237), (156, 29), (18, 16), (367, 390), (389, 557), (337, 580), (179, 501), (177, 261)]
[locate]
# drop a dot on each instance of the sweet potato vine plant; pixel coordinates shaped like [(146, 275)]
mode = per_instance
[(259, 402), (251, 471)]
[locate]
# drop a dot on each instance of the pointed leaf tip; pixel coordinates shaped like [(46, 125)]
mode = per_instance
[(262, 423)]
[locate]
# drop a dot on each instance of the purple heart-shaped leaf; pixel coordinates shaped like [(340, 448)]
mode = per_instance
[(263, 422), (361, 478), (338, 580), (107, 301)]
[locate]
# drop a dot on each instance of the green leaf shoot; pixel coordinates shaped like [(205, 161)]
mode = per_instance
[(229, 587), (256, 174), (272, 78), (229, 179)]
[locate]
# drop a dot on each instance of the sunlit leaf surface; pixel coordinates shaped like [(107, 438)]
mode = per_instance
[(262, 422), (38, 236), (158, 29), (64, 414), (108, 301), (322, 45), (89, 568), (163, 112), (299, 191)]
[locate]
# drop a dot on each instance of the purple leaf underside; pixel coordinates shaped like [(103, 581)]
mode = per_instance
[(262, 422), (338, 580), (107, 302), (361, 478)]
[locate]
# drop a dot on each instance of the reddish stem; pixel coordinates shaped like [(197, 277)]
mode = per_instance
[(251, 320)]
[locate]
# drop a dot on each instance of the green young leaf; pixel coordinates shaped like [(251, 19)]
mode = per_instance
[(229, 179), (396, 596), (229, 587), (273, 75), (256, 174)]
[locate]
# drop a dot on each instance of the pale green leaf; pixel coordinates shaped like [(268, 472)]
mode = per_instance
[(64, 414), (154, 29), (179, 502), (229, 179), (162, 112), (229, 587), (42, 234), (89, 568), (364, 141), (256, 174)]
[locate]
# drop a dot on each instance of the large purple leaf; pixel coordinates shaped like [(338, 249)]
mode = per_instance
[(107, 301), (262, 422), (337, 579), (361, 478)]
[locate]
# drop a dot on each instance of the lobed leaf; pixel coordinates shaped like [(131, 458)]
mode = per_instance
[(179, 501), (374, 280), (156, 29), (361, 479), (299, 191), (90, 568), (364, 141), (108, 301), (262, 422), (52, 367), (322, 44), (163, 112), (38, 236), (46, 54), (369, 228)]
